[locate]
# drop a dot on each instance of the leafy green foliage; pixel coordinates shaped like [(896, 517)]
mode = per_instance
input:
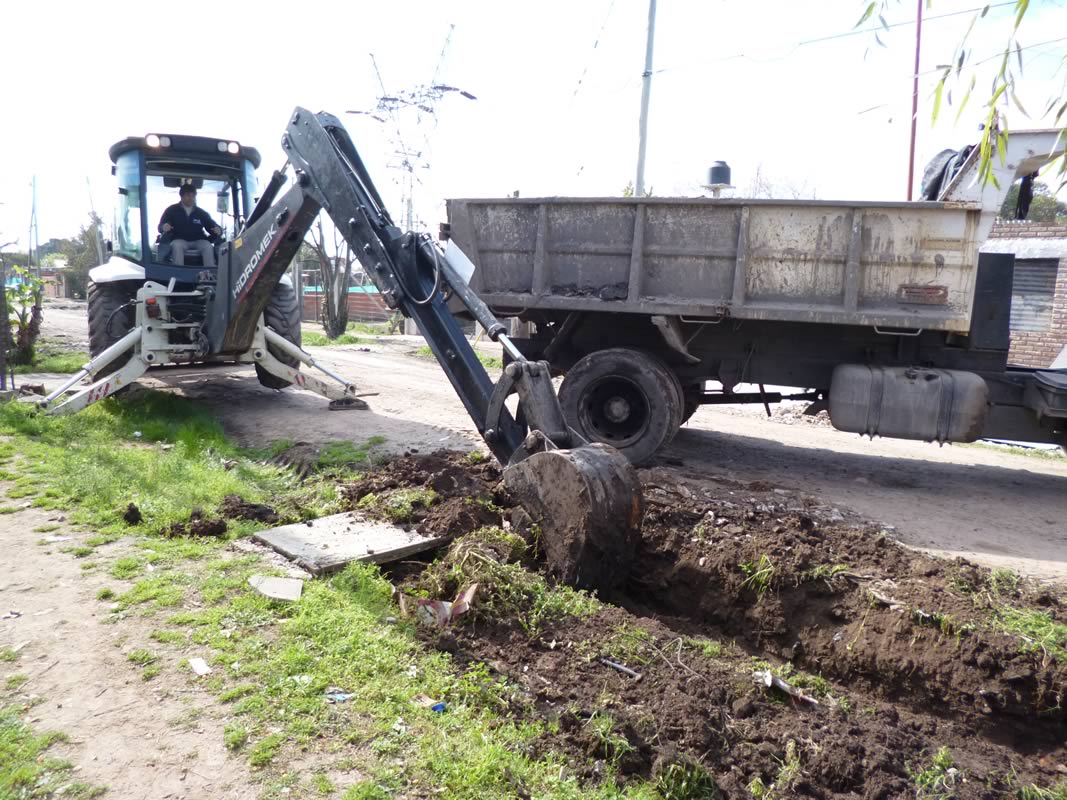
[(24, 292), (1045, 206)]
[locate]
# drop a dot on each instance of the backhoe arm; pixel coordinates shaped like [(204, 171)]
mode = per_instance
[(586, 498)]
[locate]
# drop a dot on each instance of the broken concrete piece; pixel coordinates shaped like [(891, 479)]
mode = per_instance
[(199, 666), (329, 543), (288, 589)]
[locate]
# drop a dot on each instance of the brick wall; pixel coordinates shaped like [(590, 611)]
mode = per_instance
[(362, 307), (1030, 349), (1012, 229)]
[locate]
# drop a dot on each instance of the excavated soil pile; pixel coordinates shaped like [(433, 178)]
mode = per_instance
[(735, 584), (467, 496)]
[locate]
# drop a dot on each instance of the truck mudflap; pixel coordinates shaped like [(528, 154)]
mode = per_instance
[(933, 405)]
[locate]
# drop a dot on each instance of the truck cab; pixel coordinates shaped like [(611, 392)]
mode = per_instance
[(149, 170)]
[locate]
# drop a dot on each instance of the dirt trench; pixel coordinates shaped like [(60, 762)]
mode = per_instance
[(732, 579)]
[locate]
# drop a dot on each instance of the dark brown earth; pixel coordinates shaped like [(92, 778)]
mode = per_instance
[(901, 651), (197, 525), (236, 507), (132, 515)]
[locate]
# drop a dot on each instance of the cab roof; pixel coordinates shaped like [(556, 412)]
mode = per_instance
[(186, 147)]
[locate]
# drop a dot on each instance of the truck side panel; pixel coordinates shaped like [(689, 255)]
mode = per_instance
[(906, 265)]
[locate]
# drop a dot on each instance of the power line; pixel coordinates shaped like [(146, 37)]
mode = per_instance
[(831, 37), (596, 43), (901, 24)]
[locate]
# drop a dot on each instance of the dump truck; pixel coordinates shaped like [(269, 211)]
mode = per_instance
[(884, 314)]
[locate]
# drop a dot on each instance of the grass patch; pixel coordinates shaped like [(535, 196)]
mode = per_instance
[(342, 455), (26, 769), (8, 654), (235, 737), (1037, 630), (315, 339), (1028, 452), (94, 463), (489, 362), (46, 528), (15, 681), (106, 594), (140, 657), (151, 671), (63, 363)]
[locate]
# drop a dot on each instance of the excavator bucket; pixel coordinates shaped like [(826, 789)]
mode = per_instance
[(588, 505)]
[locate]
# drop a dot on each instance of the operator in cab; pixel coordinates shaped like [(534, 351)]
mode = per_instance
[(185, 223)]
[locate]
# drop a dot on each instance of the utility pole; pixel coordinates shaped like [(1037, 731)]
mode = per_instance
[(915, 97), (646, 90), (31, 249), (98, 238)]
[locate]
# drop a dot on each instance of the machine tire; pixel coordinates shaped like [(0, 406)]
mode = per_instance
[(624, 398), (108, 320), (283, 315)]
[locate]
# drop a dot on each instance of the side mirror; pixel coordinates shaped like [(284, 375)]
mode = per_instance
[(109, 248), (223, 203)]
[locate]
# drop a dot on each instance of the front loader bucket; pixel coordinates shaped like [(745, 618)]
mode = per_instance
[(588, 504)]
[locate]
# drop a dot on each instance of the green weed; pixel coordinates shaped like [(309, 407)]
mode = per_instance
[(1037, 630), (937, 781), (234, 737), (141, 657), (15, 681), (759, 575), (686, 781), (1034, 792)]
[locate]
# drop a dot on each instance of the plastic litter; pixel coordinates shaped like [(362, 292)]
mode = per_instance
[(335, 694)]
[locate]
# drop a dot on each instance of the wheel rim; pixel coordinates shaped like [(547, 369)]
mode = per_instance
[(614, 410)]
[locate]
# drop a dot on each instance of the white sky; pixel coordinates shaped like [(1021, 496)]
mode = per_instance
[(733, 82)]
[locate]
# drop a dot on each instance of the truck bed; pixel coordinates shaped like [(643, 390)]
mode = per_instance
[(897, 265)]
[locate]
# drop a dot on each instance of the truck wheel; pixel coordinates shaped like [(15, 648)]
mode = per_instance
[(283, 316), (111, 316), (624, 398)]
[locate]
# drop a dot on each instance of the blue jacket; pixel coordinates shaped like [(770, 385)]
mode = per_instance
[(189, 227)]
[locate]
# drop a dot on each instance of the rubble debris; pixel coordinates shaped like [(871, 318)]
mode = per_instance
[(287, 589), (620, 668), (199, 666), (335, 694), (32, 389), (327, 544), (769, 680), (438, 613)]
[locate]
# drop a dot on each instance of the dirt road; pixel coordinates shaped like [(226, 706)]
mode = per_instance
[(997, 508)]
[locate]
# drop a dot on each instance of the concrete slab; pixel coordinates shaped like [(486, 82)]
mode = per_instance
[(327, 544), (276, 588)]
